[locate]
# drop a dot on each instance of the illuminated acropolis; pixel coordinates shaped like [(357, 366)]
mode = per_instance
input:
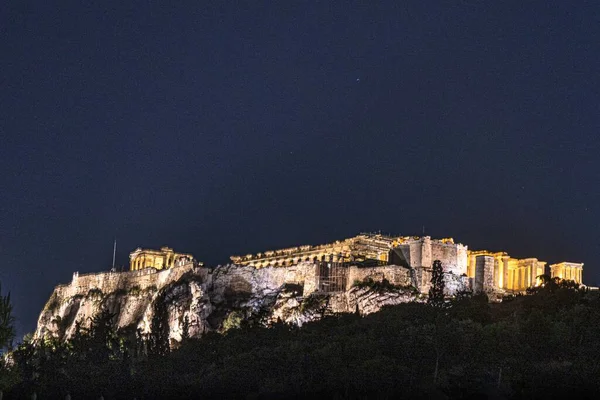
[(412, 256), (335, 270)]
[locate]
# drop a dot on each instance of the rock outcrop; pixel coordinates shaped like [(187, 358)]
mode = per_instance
[(216, 299)]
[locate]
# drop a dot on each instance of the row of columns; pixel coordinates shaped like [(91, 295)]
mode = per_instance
[(520, 277), (143, 261), (328, 257), (568, 272), (501, 269)]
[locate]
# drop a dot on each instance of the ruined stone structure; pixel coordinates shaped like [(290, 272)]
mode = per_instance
[(295, 285), (413, 254), (567, 270), (357, 249), (418, 254), (498, 272), (158, 259), (508, 273), (483, 281)]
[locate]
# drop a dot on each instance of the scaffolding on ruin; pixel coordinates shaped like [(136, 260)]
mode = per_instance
[(332, 276)]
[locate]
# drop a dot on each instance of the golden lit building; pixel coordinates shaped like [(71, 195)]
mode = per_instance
[(359, 248), (489, 271), (159, 259), (509, 273), (568, 271), (501, 265)]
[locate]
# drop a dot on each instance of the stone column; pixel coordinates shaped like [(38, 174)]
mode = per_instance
[(521, 278), (471, 266), (505, 269), (499, 273)]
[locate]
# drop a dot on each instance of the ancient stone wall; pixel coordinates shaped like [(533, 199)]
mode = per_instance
[(452, 256), (454, 284), (396, 275), (109, 282)]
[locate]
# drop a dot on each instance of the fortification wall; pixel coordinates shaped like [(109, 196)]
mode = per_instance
[(396, 275), (452, 256), (109, 282)]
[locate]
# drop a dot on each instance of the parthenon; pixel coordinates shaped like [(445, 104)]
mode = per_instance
[(356, 249)]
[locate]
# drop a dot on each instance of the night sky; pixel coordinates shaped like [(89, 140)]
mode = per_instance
[(222, 129)]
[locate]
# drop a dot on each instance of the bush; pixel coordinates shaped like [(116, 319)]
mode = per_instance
[(233, 321)]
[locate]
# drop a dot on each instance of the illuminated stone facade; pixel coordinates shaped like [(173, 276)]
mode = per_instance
[(567, 270), (360, 248), (255, 281), (158, 259), (412, 253), (418, 254), (485, 271), (508, 273)]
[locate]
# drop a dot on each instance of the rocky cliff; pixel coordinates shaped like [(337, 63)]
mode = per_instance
[(217, 299)]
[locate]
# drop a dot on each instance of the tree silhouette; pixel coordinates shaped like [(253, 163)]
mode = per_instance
[(7, 330), (185, 329), (158, 343), (436, 290)]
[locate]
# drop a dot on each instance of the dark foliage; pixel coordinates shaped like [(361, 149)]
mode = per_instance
[(544, 345), (7, 320), (436, 290), (158, 343)]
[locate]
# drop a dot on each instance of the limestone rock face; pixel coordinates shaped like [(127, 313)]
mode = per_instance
[(455, 284), (215, 299)]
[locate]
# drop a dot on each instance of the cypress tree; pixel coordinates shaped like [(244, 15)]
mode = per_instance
[(159, 327), (436, 289)]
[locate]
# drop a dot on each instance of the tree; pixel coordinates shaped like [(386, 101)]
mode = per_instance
[(185, 331), (103, 336), (7, 329), (436, 290), (158, 343)]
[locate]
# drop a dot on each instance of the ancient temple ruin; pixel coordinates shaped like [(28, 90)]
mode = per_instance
[(405, 260), (158, 259), (479, 270), (567, 270)]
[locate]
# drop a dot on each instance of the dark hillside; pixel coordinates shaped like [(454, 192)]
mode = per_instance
[(543, 345)]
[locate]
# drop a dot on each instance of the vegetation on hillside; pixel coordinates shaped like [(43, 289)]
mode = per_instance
[(7, 320), (543, 345)]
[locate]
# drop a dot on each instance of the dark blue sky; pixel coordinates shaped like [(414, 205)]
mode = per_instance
[(226, 129)]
